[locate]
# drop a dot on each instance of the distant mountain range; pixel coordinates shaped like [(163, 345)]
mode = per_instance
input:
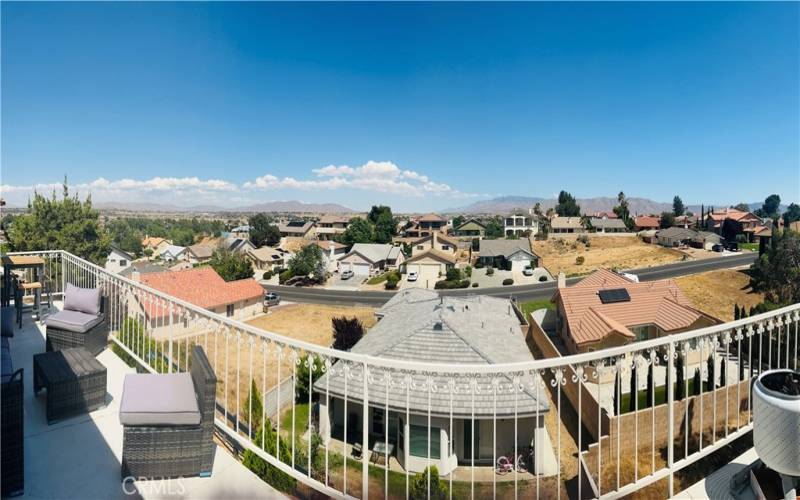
[(270, 206), (506, 204)]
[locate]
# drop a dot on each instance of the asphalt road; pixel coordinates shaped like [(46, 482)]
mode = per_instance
[(536, 291)]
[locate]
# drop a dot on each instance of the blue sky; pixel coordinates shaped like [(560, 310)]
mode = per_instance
[(422, 106)]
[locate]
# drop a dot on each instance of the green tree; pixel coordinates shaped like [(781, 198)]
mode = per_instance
[(681, 389), (776, 274), (346, 332), (494, 228), (262, 231), (358, 231), (453, 274), (711, 369), (697, 381), (667, 220), (308, 261), (382, 220), (428, 485), (302, 388), (230, 266), (677, 206), (622, 209), (567, 206), (61, 224), (257, 409), (269, 473), (458, 220), (792, 214), (770, 207), (744, 207)]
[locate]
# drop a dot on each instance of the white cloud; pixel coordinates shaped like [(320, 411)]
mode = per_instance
[(380, 176)]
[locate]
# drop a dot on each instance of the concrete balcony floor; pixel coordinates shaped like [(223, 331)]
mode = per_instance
[(80, 457)]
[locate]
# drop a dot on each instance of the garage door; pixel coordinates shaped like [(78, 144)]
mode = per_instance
[(360, 269)]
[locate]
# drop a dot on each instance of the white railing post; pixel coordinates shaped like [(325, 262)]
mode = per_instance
[(365, 435), (169, 337), (671, 415)]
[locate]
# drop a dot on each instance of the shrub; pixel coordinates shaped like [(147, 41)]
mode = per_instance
[(391, 284), (285, 276), (489, 271), (579, 260), (583, 239), (451, 284), (542, 278), (508, 281), (479, 265), (453, 274), (267, 275), (346, 332), (468, 272), (420, 488), (257, 408), (475, 285), (301, 377), (269, 473)]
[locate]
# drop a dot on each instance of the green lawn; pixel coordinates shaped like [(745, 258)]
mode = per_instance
[(660, 396), (749, 246), (528, 307), (376, 280), (301, 420)]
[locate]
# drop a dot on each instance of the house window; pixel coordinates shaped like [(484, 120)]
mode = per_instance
[(229, 310), (418, 441), (123, 262), (445, 247), (420, 247)]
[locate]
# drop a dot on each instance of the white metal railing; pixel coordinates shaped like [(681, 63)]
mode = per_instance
[(671, 432)]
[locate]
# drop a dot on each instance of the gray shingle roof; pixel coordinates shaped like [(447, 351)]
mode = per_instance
[(376, 252), (418, 325), (677, 233), (504, 248), (598, 223)]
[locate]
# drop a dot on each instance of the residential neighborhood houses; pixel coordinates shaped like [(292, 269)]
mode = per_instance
[(426, 247)]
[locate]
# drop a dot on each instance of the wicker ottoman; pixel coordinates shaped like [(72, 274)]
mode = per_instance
[(74, 379)]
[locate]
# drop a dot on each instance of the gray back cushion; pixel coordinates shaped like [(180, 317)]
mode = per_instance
[(86, 300)]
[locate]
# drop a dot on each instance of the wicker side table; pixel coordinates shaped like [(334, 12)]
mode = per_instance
[(74, 379)]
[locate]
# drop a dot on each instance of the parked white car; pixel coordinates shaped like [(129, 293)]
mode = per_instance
[(412, 276), (347, 274), (528, 271)]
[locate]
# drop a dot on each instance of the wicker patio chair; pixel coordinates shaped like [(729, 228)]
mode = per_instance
[(169, 437), (83, 327), (11, 447)]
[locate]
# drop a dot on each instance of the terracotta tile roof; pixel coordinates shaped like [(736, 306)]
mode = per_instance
[(203, 287), (327, 245), (152, 241), (647, 221), (732, 213), (659, 303), (334, 219)]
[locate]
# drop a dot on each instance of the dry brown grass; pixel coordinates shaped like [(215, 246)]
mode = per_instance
[(624, 252), (716, 292), (307, 322)]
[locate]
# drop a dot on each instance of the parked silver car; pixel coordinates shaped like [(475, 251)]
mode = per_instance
[(271, 299)]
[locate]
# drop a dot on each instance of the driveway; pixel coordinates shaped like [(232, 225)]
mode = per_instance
[(427, 278), (335, 282)]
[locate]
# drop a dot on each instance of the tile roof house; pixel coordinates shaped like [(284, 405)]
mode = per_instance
[(203, 287), (505, 254), (566, 225), (155, 244), (675, 236), (332, 252), (420, 325), (297, 229), (644, 222), (470, 227), (520, 224), (266, 258), (743, 222), (367, 259), (425, 225), (608, 225), (173, 252), (117, 259), (330, 225), (200, 253), (606, 309)]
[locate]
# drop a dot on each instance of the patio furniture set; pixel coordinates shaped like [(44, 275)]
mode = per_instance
[(168, 419)]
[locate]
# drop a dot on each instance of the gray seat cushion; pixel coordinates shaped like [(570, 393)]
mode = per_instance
[(86, 300), (73, 321), (159, 399)]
